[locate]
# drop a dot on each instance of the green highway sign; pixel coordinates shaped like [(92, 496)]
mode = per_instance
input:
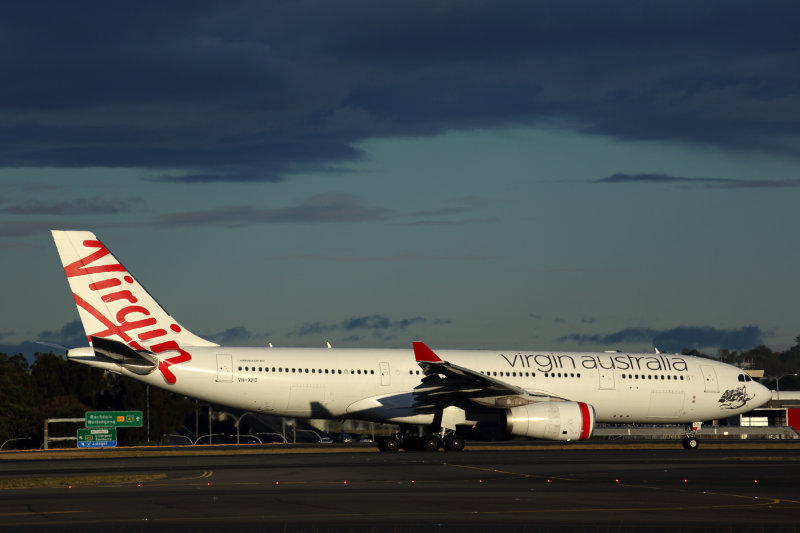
[(97, 438), (108, 419)]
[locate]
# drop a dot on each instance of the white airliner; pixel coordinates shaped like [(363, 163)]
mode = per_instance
[(539, 394)]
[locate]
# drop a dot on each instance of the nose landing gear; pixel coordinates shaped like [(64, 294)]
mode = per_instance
[(690, 440)]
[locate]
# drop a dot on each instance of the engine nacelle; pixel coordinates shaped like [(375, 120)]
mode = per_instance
[(551, 420)]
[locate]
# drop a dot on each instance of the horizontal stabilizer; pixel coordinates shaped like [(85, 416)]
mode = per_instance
[(139, 362)]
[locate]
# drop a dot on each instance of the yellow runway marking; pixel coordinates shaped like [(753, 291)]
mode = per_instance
[(494, 470), (205, 474), (520, 474)]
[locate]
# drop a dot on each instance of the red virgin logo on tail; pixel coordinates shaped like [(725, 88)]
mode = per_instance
[(128, 319)]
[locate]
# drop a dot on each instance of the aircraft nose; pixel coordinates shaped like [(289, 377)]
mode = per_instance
[(762, 395)]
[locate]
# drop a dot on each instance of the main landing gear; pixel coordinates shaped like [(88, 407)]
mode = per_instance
[(690, 440), (430, 442), (690, 443)]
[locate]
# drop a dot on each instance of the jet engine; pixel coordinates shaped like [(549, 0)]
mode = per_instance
[(551, 420)]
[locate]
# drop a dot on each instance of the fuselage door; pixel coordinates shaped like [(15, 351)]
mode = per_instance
[(385, 376), (710, 378), (606, 378), (224, 367)]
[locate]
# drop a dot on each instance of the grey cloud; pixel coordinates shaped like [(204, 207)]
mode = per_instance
[(449, 222), (678, 338), (69, 336), (376, 322), (380, 258), (378, 325), (230, 336), (77, 207), (26, 228), (462, 208), (319, 208), (704, 183), (258, 91)]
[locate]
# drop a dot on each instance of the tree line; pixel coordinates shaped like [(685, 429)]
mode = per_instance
[(52, 387), (774, 364)]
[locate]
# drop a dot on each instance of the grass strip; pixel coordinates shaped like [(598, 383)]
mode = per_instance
[(37, 482)]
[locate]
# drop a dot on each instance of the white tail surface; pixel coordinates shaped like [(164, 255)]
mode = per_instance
[(112, 304)]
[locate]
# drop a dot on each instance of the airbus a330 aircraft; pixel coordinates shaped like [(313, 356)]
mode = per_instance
[(539, 394)]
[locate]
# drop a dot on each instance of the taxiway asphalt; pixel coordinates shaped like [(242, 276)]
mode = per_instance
[(544, 488)]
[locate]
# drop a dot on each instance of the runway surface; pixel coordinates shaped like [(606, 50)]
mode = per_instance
[(547, 488)]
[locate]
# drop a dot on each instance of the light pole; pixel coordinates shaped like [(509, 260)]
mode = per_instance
[(209, 437), (148, 414), (778, 384), (236, 421), (9, 440)]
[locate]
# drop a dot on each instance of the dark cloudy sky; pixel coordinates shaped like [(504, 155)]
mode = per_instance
[(571, 175)]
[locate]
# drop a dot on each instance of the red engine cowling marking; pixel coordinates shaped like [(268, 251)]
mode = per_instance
[(551, 420)]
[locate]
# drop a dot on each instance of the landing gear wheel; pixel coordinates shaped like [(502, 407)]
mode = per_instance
[(454, 443), (430, 443), (690, 443), (389, 444), (411, 443)]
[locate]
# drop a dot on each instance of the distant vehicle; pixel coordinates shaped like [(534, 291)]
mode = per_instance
[(325, 440), (347, 438), (365, 438)]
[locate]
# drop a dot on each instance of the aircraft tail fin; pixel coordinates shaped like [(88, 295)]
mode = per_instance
[(111, 303)]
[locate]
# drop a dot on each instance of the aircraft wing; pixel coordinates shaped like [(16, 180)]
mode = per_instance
[(447, 384)]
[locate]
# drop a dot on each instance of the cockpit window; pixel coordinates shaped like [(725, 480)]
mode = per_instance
[(744, 377)]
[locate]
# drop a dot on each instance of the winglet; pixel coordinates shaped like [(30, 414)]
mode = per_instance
[(424, 354)]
